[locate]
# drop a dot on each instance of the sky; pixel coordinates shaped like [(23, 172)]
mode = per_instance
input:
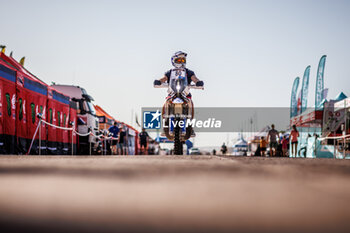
[(248, 53)]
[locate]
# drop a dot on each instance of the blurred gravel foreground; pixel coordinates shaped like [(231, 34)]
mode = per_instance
[(173, 194)]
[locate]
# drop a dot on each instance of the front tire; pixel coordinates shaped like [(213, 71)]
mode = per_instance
[(177, 142)]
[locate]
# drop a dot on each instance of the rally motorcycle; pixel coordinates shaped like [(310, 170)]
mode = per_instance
[(178, 110)]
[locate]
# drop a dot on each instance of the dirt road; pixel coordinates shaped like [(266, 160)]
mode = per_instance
[(173, 194)]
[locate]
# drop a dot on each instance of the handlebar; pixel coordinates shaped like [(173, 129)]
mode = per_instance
[(165, 85)]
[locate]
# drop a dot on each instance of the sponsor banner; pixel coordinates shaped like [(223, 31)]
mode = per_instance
[(309, 118), (304, 89), (320, 82), (101, 119), (293, 99), (345, 103), (325, 93), (332, 119)]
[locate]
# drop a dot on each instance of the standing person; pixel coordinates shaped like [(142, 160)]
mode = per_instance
[(284, 143), (214, 152), (151, 147), (223, 149), (263, 144), (272, 139), (143, 141), (114, 130), (157, 148), (294, 134), (121, 141)]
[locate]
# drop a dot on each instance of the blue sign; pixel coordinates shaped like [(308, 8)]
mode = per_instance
[(152, 119)]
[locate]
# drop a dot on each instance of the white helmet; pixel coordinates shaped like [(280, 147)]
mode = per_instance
[(179, 59)]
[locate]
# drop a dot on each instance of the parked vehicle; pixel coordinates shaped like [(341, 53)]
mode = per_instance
[(87, 120), (23, 97), (195, 151)]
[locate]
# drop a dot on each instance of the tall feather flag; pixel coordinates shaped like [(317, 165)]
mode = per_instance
[(293, 98), (137, 120), (3, 48), (319, 94), (304, 90), (22, 61), (325, 93)]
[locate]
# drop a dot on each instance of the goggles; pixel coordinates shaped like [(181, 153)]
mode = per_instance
[(180, 60)]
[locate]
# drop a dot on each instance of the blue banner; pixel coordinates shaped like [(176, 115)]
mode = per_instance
[(305, 89), (293, 98), (319, 82)]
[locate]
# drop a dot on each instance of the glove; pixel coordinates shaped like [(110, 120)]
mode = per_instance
[(157, 83), (200, 84)]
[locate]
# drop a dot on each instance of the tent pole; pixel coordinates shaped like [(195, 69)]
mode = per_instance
[(72, 138), (90, 148), (40, 137), (345, 127)]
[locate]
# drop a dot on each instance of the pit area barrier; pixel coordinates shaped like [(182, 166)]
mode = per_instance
[(38, 129), (337, 140)]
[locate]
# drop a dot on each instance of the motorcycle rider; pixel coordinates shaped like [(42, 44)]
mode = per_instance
[(179, 62)]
